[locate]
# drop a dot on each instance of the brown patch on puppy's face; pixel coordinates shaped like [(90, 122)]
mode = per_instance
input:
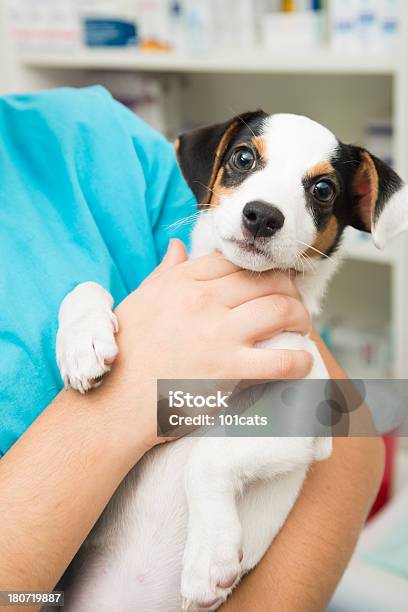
[(218, 190), (322, 185), (323, 167), (219, 154), (325, 239), (260, 146)]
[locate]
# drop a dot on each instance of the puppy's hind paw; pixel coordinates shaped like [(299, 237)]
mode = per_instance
[(211, 568)]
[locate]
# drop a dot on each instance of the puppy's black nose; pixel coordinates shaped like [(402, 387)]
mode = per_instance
[(261, 219)]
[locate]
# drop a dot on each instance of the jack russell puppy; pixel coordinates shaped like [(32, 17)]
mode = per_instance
[(276, 192)]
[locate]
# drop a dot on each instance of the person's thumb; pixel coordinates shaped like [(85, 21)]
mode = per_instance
[(176, 254)]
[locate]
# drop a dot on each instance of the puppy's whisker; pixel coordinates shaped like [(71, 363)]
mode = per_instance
[(307, 259), (178, 224), (208, 189), (184, 221), (190, 219), (305, 256), (309, 246), (302, 263), (209, 208), (246, 124)]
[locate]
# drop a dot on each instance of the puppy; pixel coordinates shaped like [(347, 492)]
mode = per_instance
[(276, 192)]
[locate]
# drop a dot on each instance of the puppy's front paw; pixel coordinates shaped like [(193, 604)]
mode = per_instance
[(211, 567), (86, 349)]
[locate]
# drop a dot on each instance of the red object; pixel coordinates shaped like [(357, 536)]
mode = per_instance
[(385, 492)]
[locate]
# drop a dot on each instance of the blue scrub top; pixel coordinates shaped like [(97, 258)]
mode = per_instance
[(87, 193)]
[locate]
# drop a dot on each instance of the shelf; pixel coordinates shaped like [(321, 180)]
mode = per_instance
[(261, 61)]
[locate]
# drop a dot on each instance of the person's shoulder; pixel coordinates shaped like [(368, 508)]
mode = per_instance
[(88, 107), (63, 100), (62, 108)]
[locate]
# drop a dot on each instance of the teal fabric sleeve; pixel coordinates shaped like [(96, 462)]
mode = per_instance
[(88, 192)]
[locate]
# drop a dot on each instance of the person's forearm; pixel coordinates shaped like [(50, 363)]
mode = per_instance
[(55, 482), (302, 568)]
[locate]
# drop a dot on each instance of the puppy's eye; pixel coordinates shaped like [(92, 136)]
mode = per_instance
[(324, 191), (243, 159)]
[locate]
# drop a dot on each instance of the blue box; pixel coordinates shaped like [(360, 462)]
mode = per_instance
[(110, 33)]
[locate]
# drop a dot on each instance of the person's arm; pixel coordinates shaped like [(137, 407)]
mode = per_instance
[(55, 481), (182, 322), (303, 566)]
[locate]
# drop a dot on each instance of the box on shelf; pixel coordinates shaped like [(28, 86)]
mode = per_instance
[(107, 23), (153, 18), (236, 23), (370, 25), (301, 29), (44, 26), (196, 25)]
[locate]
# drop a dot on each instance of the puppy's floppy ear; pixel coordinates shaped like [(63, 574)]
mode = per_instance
[(380, 199), (201, 151)]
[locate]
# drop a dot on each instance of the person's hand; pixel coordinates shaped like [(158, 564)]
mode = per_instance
[(200, 319)]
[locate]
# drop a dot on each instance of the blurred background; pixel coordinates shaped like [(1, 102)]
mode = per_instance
[(182, 63)]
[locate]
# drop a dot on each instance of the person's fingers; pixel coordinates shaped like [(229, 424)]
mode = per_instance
[(273, 364), (267, 316), (245, 286), (176, 254), (210, 267)]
